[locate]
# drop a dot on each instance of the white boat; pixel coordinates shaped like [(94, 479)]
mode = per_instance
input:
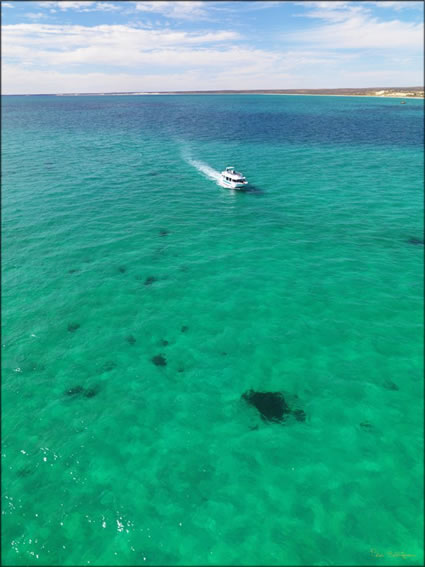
[(232, 179)]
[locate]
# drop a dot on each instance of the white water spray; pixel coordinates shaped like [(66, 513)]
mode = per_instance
[(204, 168)]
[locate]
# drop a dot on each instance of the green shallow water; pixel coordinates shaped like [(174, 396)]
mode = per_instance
[(309, 284)]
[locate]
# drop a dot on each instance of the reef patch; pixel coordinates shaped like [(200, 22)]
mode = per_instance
[(299, 414), (417, 241), (90, 392), (159, 360), (390, 385), (25, 471), (150, 280), (108, 366), (272, 406), (72, 327), (81, 391), (184, 329), (163, 232), (130, 339)]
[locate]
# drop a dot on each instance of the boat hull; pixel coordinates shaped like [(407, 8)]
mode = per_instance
[(232, 185)]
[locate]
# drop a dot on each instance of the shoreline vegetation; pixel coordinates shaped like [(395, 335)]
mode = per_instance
[(383, 92)]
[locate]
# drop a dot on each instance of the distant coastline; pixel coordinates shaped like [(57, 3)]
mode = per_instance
[(379, 92)]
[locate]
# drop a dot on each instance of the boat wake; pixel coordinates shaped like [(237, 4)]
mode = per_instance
[(205, 169), (202, 167)]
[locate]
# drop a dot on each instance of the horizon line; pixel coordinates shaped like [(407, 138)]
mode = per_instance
[(224, 91)]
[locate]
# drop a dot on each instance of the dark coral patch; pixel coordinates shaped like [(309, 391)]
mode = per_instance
[(90, 392), (184, 329), (72, 271), (108, 366), (180, 369), (25, 471), (163, 342), (163, 232), (159, 360), (72, 327), (271, 405), (150, 280), (122, 269), (366, 425), (299, 414), (130, 339), (74, 391), (417, 241), (389, 385), (80, 391)]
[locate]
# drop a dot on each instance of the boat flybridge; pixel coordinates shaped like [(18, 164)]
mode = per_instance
[(232, 179)]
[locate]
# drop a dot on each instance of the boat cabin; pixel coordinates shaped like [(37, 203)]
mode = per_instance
[(230, 174)]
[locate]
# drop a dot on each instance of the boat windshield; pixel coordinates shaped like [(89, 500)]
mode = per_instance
[(234, 177)]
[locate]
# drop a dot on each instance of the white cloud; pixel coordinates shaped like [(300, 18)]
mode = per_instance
[(358, 33), (19, 81), (7, 5), (182, 9), (35, 15), (58, 38), (332, 12), (382, 77), (349, 25), (125, 47), (85, 6), (57, 58), (261, 5), (73, 5), (402, 5), (107, 7)]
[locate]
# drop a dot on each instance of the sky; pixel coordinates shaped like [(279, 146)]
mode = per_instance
[(133, 46)]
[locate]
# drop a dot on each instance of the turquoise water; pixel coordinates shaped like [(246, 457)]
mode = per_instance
[(119, 246)]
